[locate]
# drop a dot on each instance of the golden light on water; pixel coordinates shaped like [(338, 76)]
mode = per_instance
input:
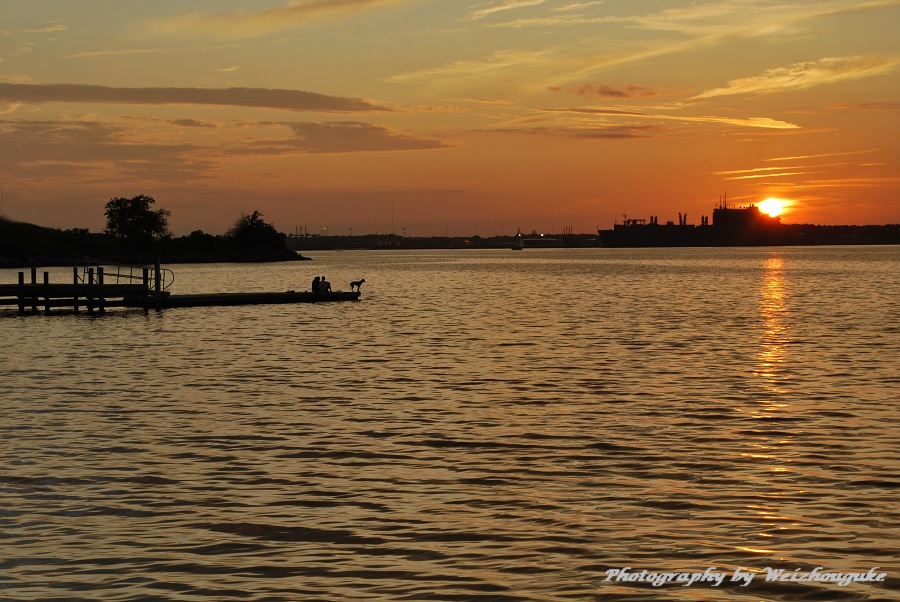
[(771, 358)]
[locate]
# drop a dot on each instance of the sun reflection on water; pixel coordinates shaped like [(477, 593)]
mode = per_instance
[(770, 444), (770, 365)]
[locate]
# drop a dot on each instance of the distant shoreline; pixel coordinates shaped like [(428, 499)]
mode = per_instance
[(663, 236), (27, 245)]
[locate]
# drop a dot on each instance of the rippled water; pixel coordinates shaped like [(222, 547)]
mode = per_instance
[(483, 425)]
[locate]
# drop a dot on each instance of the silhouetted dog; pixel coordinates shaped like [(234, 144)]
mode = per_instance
[(357, 284)]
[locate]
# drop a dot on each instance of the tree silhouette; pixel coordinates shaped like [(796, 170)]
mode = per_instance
[(252, 231), (134, 221)]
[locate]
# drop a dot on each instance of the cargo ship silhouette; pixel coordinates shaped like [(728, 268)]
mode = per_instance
[(739, 226)]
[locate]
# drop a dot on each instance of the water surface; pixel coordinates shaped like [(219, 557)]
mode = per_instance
[(482, 425)]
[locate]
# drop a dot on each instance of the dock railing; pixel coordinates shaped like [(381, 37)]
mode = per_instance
[(122, 273), (95, 286)]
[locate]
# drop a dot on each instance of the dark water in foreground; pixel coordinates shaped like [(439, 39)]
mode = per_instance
[(483, 425)]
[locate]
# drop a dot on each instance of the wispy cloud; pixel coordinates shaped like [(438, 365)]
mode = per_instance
[(780, 174), (751, 122), (193, 49), (868, 106), (262, 98), (851, 182), (251, 24), (744, 18), (577, 6), (700, 19), (160, 151), (755, 170), (698, 26), (499, 62), (561, 20), (607, 91), (821, 155), (693, 20), (590, 132), (617, 123), (47, 29), (801, 165), (193, 123), (337, 137), (45, 149), (500, 6), (806, 75), (758, 173)]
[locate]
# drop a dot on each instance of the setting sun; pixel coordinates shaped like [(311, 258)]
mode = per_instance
[(772, 206)]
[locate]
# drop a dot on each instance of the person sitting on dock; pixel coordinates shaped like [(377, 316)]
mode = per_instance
[(324, 286), (315, 285)]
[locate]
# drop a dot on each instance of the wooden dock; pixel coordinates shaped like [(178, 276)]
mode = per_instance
[(218, 299), (91, 293)]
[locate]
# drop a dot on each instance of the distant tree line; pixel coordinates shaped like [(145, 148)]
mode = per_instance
[(136, 232)]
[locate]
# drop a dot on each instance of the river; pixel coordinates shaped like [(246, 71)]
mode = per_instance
[(483, 425)]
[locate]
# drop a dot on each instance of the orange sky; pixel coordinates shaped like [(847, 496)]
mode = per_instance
[(433, 117)]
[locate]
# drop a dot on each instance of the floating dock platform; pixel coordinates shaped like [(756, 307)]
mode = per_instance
[(216, 299), (90, 292)]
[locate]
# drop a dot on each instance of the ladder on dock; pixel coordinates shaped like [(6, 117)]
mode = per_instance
[(122, 273)]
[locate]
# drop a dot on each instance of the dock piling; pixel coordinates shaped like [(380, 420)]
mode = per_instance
[(146, 282), (100, 299), (157, 284), (21, 296), (46, 292), (75, 283), (34, 281), (90, 291)]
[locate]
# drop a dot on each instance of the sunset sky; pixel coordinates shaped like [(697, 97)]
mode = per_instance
[(448, 117)]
